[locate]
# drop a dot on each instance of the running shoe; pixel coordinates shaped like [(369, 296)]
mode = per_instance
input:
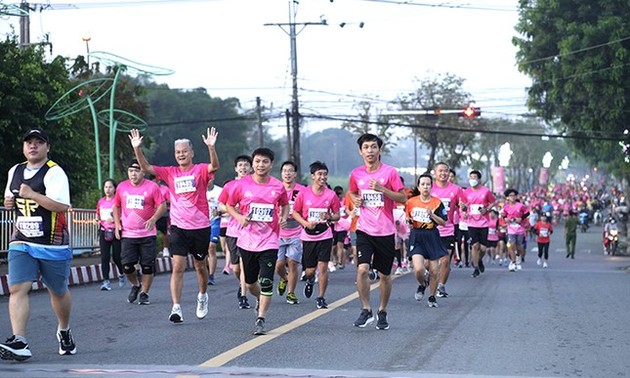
[(176, 314), (282, 287), (331, 267), (539, 262), (419, 292), (441, 292), (364, 319), (512, 267), (106, 286), (308, 289), (202, 305), (144, 299), (482, 268), (432, 302), (381, 320), (122, 281), (211, 280), (133, 294), (321, 303), (398, 271), (243, 303), (518, 266), (475, 273), (259, 328), (292, 299), (15, 348), (545, 266), (67, 346)]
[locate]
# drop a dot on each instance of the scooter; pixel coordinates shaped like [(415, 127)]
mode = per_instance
[(612, 239)]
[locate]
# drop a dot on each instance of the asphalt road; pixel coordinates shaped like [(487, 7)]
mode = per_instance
[(570, 320)]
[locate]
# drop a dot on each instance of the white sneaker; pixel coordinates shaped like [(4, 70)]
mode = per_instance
[(166, 253), (176, 314), (202, 305), (106, 286), (518, 267), (331, 267), (512, 267), (538, 262), (545, 265), (398, 271)]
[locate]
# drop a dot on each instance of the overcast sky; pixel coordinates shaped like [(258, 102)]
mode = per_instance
[(224, 46)]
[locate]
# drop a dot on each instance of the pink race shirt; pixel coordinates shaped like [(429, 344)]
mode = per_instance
[(293, 229), (232, 226), (187, 190), (311, 206), (137, 204), (475, 200), (377, 211), (517, 210), (450, 196), (104, 210), (261, 203)]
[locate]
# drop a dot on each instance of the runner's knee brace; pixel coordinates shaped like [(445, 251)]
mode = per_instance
[(266, 286), (147, 269), (129, 268)]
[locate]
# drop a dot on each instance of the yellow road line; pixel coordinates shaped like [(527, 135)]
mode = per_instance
[(241, 349)]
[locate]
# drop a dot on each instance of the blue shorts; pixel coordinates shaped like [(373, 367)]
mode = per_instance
[(24, 268), (215, 230), (291, 248)]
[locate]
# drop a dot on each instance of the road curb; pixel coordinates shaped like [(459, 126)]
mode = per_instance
[(81, 275)]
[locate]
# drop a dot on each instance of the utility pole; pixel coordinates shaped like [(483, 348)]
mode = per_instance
[(261, 136), (25, 25), (295, 108)]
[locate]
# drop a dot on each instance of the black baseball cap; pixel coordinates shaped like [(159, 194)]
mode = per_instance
[(36, 133), (134, 164)]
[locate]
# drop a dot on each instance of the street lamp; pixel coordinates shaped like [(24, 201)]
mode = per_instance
[(86, 38)]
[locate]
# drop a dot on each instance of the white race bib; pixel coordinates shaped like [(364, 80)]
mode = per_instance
[(420, 214), (106, 214), (31, 227), (543, 232), (475, 209), (134, 202), (372, 198), (446, 202), (316, 215), (261, 212), (184, 184)]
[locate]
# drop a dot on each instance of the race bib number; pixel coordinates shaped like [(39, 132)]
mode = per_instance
[(544, 232), (261, 212), (134, 202), (463, 226), (291, 206), (31, 227), (420, 214), (184, 184), (317, 215), (475, 209), (106, 214), (372, 198), (492, 231), (446, 202)]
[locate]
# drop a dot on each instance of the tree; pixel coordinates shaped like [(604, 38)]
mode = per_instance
[(577, 53), (380, 126), (443, 92), (29, 85)]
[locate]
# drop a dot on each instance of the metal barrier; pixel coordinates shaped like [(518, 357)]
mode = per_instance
[(82, 227)]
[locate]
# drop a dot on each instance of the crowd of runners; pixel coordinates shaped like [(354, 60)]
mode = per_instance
[(285, 237)]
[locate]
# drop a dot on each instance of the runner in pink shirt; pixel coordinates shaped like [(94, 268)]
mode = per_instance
[(314, 208), (242, 167), (138, 205), (290, 247), (107, 242), (515, 214), (190, 222), (475, 206), (375, 188), (450, 195), (262, 209)]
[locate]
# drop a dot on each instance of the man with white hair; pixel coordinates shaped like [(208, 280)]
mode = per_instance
[(190, 222)]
